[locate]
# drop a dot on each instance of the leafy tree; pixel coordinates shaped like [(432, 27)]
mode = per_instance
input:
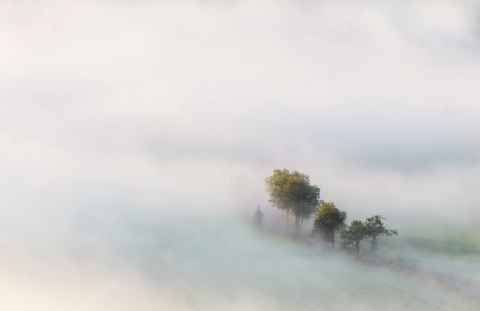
[(354, 234), (375, 228), (292, 193), (258, 216), (328, 220)]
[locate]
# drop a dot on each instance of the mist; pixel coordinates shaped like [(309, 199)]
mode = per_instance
[(134, 133)]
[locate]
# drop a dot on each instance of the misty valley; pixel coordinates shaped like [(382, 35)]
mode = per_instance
[(222, 155)]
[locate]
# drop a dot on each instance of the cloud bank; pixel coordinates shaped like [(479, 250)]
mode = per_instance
[(133, 105)]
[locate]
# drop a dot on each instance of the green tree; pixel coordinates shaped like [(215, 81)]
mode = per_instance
[(328, 220), (292, 193), (375, 228), (258, 216), (354, 234)]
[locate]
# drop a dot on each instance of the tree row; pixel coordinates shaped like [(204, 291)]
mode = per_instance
[(292, 193)]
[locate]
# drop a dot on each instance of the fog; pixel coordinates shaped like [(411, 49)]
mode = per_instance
[(168, 116)]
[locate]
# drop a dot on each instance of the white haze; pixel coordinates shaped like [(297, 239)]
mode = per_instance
[(113, 110)]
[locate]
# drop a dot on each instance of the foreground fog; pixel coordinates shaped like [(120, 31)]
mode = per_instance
[(113, 113), (209, 263)]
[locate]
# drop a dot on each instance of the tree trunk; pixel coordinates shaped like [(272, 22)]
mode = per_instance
[(329, 237), (357, 246), (374, 244), (298, 224)]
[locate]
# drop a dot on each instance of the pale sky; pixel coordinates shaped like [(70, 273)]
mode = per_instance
[(113, 106)]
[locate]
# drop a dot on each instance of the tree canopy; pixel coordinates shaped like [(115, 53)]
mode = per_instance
[(354, 234), (292, 193), (328, 220), (375, 228)]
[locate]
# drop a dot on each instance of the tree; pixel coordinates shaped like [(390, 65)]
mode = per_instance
[(328, 220), (375, 228), (292, 193), (258, 216), (354, 234)]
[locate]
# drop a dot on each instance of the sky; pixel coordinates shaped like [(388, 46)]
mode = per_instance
[(113, 107)]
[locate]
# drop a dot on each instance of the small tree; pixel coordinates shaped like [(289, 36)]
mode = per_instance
[(375, 228), (258, 216), (328, 220), (292, 192), (354, 234)]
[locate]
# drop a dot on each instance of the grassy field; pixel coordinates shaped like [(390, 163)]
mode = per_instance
[(223, 264)]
